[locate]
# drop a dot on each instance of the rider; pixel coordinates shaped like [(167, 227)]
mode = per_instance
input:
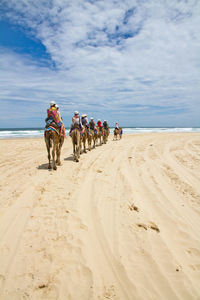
[(76, 121), (117, 127), (99, 124), (84, 120), (52, 114), (92, 125), (60, 124), (105, 124)]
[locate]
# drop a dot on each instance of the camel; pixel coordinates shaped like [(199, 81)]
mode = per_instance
[(90, 137), (76, 141), (93, 136), (99, 135), (105, 134), (52, 136), (117, 132), (84, 138)]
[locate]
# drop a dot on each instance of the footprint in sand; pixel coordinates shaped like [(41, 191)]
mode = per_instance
[(109, 293), (141, 225), (153, 226), (133, 207), (42, 286)]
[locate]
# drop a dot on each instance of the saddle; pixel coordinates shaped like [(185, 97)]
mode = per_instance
[(52, 124), (76, 126)]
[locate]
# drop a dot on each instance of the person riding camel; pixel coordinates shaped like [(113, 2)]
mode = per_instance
[(92, 124), (118, 128), (99, 124), (105, 124), (60, 124), (52, 115), (84, 120), (76, 122)]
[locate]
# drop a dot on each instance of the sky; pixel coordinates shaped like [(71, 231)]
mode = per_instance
[(132, 61)]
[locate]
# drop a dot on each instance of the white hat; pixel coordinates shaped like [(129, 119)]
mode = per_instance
[(105, 120), (91, 118), (84, 115), (76, 112), (56, 106), (52, 103), (99, 119)]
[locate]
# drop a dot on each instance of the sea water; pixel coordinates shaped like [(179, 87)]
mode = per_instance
[(10, 133)]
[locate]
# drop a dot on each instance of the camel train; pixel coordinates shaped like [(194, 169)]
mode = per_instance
[(79, 138), (80, 132)]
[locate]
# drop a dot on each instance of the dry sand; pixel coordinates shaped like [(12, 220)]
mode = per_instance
[(123, 223)]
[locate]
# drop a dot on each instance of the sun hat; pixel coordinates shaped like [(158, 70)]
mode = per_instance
[(76, 112), (56, 106), (91, 118), (52, 103)]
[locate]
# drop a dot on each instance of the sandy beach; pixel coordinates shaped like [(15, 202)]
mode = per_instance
[(123, 223)]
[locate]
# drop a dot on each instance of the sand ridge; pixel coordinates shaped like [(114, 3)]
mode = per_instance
[(123, 223)]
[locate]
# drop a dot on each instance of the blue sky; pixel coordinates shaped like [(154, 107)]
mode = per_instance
[(135, 62)]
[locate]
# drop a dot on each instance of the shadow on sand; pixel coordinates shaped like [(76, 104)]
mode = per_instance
[(43, 167), (70, 158)]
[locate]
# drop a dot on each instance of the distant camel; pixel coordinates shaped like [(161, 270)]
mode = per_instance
[(90, 137), (84, 138), (53, 136), (76, 142), (117, 132), (93, 137), (105, 133), (99, 135)]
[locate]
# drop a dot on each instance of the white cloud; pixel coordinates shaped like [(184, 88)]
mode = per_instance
[(109, 56)]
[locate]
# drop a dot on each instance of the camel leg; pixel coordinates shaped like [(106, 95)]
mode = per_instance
[(58, 155), (74, 151), (77, 153), (53, 156), (89, 143), (84, 149), (58, 151), (49, 158), (49, 153)]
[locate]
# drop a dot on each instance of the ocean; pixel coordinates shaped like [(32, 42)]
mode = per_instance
[(9, 133)]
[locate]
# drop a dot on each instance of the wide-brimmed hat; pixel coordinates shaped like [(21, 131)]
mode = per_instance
[(52, 103), (91, 118), (76, 112)]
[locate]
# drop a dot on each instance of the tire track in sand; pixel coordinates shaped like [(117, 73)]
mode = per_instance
[(93, 204)]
